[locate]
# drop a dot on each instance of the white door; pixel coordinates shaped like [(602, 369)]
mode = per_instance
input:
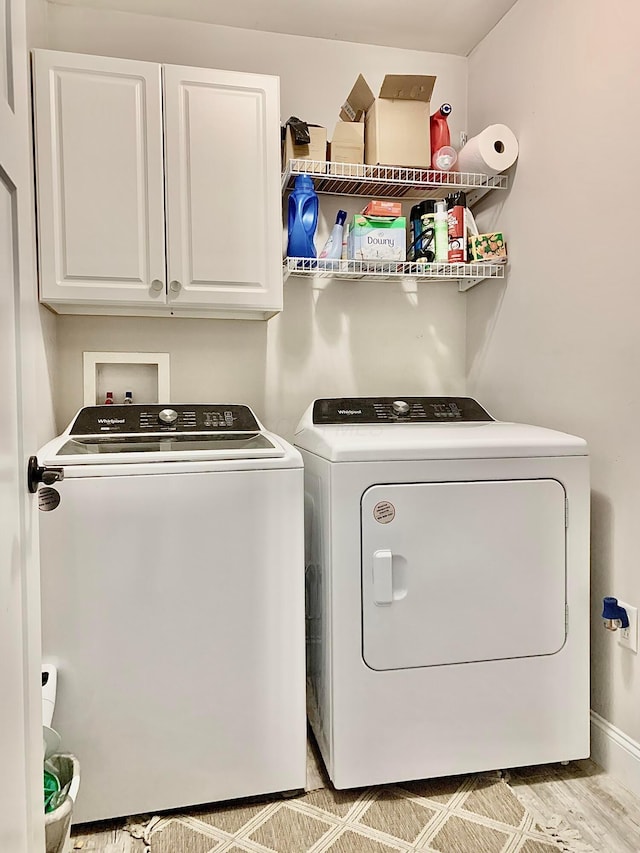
[(21, 805), (100, 180), (224, 235), (460, 572)]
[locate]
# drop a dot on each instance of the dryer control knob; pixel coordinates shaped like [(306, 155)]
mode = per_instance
[(400, 407), (168, 416)]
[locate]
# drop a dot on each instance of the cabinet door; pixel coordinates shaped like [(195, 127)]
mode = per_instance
[(222, 163), (100, 180)]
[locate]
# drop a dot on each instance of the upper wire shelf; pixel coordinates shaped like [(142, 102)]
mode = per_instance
[(360, 179)]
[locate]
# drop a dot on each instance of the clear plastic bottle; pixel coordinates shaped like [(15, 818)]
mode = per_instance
[(345, 242), (333, 246), (441, 229), (445, 158)]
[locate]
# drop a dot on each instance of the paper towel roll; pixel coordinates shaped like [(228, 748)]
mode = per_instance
[(490, 152)]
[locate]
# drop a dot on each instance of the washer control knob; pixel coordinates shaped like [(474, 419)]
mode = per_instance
[(168, 416), (399, 407)]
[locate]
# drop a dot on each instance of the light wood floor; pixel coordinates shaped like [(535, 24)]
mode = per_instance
[(604, 814)]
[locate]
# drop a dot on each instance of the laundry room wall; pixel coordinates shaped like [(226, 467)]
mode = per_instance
[(333, 338), (557, 343)]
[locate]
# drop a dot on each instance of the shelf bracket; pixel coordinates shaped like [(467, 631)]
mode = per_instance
[(465, 284)]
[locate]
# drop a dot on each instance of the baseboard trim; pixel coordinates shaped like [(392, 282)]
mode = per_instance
[(616, 752)]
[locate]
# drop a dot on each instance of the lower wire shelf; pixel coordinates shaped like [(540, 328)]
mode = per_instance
[(467, 275)]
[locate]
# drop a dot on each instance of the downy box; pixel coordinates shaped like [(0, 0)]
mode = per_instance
[(347, 145), (396, 122), (377, 239)]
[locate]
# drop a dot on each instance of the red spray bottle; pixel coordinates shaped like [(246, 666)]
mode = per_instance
[(457, 216), (439, 130)]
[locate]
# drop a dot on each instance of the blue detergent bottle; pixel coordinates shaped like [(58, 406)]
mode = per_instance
[(303, 219)]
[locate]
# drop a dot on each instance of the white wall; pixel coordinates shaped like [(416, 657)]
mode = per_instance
[(558, 344), (338, 338), (316, 74)]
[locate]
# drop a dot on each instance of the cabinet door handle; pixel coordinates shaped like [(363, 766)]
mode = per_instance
[(175, 287), (157, 285)]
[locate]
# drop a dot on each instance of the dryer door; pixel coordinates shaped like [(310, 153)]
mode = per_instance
[(461, 572)]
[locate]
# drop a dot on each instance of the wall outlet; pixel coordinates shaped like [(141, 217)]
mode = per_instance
[(628, 637)]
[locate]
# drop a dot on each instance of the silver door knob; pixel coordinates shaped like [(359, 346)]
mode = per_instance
[(157, 285), (175, 286)]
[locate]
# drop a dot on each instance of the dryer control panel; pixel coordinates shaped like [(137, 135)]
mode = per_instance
[(173, 418), (375, 410)]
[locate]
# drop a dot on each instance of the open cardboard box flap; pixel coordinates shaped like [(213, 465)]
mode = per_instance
[(359, 99), (407, 87), (404, 87)]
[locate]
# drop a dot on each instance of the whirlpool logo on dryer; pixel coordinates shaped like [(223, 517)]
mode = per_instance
[(349, 411), (111, 421)]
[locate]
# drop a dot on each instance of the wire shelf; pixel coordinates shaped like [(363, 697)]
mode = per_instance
[(388, 181), (467, 275)]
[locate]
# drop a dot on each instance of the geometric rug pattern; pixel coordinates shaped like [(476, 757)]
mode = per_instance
[(462, 814)]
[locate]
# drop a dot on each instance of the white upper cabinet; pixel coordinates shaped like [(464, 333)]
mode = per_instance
[(100, 180), (222, 164), (130, 154)]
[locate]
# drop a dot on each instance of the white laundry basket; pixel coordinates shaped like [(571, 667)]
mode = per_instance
[(57, 824)]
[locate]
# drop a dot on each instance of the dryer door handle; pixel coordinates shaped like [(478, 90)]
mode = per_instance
[(383, 577)]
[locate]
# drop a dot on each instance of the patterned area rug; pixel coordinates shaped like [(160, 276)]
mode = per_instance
[(462, 814)]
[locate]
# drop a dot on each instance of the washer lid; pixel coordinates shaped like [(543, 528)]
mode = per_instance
[(121, 435), (247, 444), (370, 430)]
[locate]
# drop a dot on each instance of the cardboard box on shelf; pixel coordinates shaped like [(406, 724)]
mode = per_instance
[(346, 146), (316, 150), (382, 207), (377, 239), (396, 122)]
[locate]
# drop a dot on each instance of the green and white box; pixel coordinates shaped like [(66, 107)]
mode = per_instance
[(373, 238)]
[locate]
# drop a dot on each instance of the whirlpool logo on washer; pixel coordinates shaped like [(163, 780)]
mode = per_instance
[(111, 421), (349, 411)]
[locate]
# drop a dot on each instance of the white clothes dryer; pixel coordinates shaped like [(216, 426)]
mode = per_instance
[(173, 605), (447, 572)]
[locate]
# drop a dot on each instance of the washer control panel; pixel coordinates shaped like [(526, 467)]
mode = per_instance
[(375, 410), (141, 419)]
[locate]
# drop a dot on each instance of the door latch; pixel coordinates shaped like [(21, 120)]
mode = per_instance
[(40, 474)]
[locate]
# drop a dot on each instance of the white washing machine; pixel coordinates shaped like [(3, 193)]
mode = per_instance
[(173, 605), (447, 565)]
